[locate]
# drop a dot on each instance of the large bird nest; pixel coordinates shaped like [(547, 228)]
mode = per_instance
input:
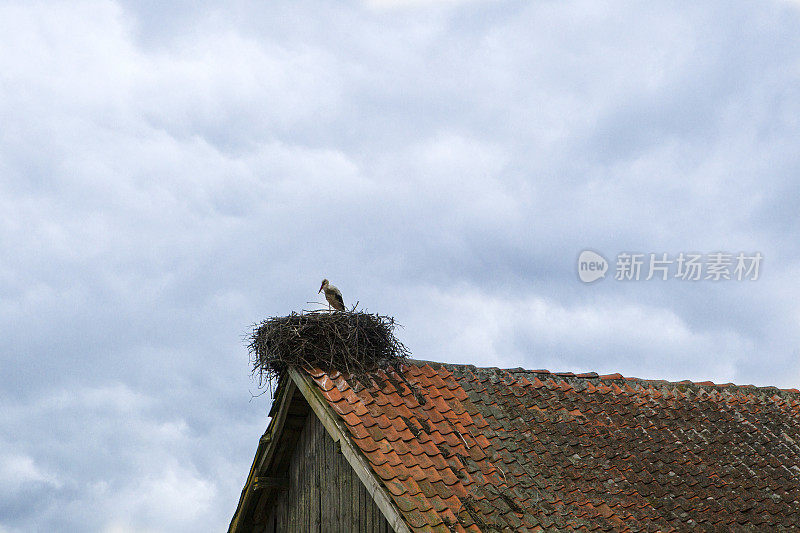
[(353, 342)]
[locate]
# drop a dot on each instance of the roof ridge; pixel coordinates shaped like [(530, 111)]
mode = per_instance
[(619, 379)]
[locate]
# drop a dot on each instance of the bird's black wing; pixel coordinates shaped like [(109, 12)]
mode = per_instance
[(339, 300)]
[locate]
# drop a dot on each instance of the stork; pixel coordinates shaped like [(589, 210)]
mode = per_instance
[(332, 294)]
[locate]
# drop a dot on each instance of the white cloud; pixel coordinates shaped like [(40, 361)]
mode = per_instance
[(17, 470), (168, 500), (608, 336)]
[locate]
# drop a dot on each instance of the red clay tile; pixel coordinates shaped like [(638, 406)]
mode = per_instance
[(324, 382), (358, 430), (315, 372), (350, 418), (574, 452)]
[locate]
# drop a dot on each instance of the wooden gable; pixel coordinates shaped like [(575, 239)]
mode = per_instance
[(302, 480)]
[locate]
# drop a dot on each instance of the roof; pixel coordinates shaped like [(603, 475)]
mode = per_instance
[(460, 448)]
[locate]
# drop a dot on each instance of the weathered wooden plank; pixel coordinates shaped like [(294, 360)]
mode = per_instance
[(311, 481), (327, 514), (308, 475), (355, 510), (314, 477), (270, 524), (331, 481), (306, 481), (291, 506), (280, 512), (367, 512), (299, 503), (339, 493), (273, 517), (321, 469), (344, 493)]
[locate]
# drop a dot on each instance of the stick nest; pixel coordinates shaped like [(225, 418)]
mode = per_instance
[(352, 342)]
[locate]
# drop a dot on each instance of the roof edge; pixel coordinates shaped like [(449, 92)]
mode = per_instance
[(266, 447)]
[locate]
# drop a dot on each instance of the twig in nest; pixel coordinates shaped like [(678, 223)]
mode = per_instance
[(354, 342)]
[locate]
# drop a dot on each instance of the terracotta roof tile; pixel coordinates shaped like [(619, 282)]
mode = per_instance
[(461, 448)]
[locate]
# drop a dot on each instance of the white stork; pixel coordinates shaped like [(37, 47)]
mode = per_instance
[(332, 294)]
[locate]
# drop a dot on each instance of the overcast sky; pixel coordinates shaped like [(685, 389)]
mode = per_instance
[(171, 175)]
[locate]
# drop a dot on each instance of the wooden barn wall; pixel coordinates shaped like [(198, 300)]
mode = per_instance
[(325, 494)]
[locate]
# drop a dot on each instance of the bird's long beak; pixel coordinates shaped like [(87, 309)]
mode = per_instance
[(320, 288)]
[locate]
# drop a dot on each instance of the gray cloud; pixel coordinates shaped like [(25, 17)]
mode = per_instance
[(171, 175)]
